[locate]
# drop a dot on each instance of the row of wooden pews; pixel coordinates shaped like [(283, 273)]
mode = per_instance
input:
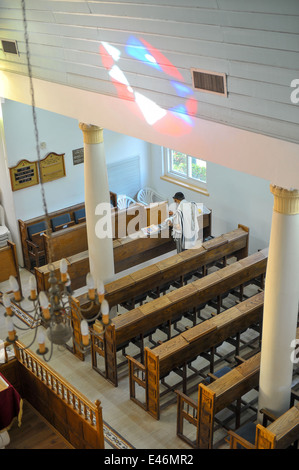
[(177, 354), (128, 252), (166, 311), (220, 394), (157, 278)]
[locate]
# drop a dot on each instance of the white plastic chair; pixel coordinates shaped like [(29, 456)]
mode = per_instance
[(4, 231), (124, 201), (148, 195)]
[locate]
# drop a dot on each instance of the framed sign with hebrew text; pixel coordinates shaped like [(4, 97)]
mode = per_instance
[(52, 167), (23, 175)]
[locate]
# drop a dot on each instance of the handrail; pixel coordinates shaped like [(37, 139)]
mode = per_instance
[(91, 412)]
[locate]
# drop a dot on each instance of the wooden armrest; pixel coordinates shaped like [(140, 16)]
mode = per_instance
[(137, 363), (187, 399), (212, 376), (240, 359), (267, 416), (32, 244), (236, 439), (66, 225)]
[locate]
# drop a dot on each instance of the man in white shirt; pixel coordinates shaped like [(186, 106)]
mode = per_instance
[(185, 224)]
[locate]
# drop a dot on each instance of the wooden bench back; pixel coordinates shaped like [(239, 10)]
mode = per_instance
[(188, 345), (176, 266), (223, 391), (9, 265), (281, 433), (66, 242), (154, 313), (24, 224)]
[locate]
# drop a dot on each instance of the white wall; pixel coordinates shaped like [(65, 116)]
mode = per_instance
[(235, 198), (61, 134)]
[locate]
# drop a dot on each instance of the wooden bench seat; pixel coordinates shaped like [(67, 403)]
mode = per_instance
[(170, 307), (24, 225), (75, 214), (181, 350), (215, 397), (282, 433), (9, 263), (174, 268)]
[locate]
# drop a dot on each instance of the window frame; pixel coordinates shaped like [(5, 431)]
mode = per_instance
[(179, 178)]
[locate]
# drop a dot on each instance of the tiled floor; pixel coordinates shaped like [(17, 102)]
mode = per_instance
[(127, 418)]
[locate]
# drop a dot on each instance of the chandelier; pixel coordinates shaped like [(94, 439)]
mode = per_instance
[(56, 308)]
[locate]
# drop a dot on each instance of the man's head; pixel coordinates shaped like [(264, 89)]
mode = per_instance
[(178, 197)]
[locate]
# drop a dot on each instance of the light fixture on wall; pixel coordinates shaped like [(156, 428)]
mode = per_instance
[(56, 310)]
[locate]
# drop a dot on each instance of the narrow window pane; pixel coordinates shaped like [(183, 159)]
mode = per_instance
[(197, 169), (179, 162)]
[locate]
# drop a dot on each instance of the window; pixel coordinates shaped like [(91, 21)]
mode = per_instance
[(185, 170)]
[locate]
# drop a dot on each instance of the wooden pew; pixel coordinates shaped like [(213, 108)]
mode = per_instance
[(215, 397), (23, 227), (282, 433), (9, 263), (163, 273), (139, 322), (66, 242), (75, 417), (128, 252), (179, 351)]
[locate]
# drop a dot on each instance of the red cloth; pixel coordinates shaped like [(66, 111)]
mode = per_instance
[(10, 406)]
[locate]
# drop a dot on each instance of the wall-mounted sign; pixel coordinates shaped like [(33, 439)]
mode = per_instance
[(78, 156), (23, 175), (52, 167)]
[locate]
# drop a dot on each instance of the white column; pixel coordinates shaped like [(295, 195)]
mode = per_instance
[(97, 204), (280, 303)]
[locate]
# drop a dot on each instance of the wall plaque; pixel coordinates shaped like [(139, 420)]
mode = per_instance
[(52, 167), (78, 156), (23, 175)]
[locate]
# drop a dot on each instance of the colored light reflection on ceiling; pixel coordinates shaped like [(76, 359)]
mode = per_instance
[(175, 121)]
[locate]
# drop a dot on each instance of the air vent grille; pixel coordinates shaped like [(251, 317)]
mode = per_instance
[(209, 82), (9, 47)]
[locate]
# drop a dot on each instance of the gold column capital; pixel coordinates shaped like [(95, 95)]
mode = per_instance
[(91, 134), (286, 201)]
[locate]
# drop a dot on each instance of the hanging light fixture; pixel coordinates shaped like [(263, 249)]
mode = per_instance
[(54, 309)]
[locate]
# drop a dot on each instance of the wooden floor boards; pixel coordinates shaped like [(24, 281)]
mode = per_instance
[(35, 432)]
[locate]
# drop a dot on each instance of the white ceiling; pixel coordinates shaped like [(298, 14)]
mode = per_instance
[(255, 43)]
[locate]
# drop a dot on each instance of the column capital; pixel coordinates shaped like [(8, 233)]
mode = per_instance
[(91, 134), (285, 201)]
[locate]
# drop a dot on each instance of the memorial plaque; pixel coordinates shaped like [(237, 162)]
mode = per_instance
[(78, 156), (24, 175), (52, 167)]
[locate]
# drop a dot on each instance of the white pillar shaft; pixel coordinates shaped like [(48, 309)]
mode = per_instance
[(100, 245), (280, 313)]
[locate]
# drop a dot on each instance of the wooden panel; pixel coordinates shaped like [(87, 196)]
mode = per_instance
[(66, 242), (264, 438), (153, 383), (8, 262), (206, 412), (282, 432)]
